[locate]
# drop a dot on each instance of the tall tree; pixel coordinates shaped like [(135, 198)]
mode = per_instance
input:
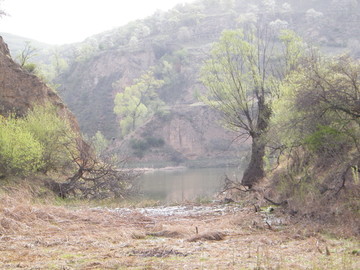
[(242, 77)]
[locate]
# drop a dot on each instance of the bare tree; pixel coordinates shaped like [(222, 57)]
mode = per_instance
[(26, 54), (96, 179)]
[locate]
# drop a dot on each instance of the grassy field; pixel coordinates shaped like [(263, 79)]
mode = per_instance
[(211, 236)]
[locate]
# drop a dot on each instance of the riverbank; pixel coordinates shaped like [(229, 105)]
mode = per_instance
[(219, 162), (211, 236), (161, 169)]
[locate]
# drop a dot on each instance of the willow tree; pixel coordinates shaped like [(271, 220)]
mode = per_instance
[(242, 78)]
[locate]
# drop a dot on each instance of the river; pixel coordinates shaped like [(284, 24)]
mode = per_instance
[(179, 185)]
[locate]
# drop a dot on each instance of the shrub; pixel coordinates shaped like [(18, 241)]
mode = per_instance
[(140, 146), (154, 142), (325, 140), (30, 67), (20, 152), (53, 132), (99, 142)]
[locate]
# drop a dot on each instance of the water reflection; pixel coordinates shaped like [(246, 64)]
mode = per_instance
[(186, 184)]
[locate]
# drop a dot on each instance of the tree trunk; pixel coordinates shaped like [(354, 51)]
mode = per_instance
[(255, 170)]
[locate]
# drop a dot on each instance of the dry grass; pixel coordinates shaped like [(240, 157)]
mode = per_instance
[(38, 236)]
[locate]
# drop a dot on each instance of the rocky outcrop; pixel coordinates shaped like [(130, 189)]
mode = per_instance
[(93, 79), (20, 90), (192, 134)]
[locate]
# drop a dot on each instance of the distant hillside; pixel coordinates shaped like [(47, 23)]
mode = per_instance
[(17, 44), (174, 44)]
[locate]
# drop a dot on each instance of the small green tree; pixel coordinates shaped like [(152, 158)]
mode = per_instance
[(49, 72), (138, 102), (99, 142)]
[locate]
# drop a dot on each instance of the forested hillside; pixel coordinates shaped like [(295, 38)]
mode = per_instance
[(173, 45)]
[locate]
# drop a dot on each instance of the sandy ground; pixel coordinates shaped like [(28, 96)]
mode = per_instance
[(178, 237)]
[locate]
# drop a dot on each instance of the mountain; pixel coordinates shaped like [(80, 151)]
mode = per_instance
[(174, 44)]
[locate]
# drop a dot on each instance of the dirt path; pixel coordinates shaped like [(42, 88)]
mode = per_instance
[(178, 237)]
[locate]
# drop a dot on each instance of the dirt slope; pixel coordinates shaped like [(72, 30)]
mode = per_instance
[(20, 90)]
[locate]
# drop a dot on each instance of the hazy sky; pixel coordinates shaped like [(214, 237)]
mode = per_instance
[(68, 21)]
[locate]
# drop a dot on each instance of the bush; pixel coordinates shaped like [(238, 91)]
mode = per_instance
[(30, 67), (53, 132), (99, 143), (42, 140), (154, 142), (326, 140), (20, 152), (141, 146)]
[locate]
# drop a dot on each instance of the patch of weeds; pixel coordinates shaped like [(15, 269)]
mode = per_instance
[(157, 252), (210, 236), (347, 262), (72, 258), (203, 259), (52, 266), (166, 234), (70, 202), (268, 209)]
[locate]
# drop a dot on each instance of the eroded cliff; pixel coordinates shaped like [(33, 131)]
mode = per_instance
[(21, 90)]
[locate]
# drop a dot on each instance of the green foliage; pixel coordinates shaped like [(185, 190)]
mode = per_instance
[(325, 139), (315, 127), (20, 152), (243, 76), (301, 187), (99, 142), (317, 106), (173, 69), (138, 102), (49, 72), (140, 146), (84, 52), (30, 67), (53, 132), (42, 140), (293, 49)]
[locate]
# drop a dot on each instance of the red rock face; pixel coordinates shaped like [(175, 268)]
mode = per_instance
[(20, 90)]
